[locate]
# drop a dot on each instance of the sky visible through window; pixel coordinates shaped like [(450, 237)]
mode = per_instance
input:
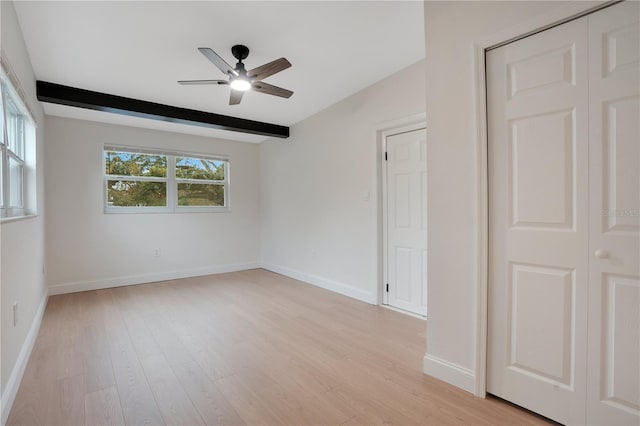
[(137, 164)]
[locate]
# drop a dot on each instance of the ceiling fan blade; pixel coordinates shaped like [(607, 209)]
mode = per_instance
[(235, 97), (193, 82), (218, 61), (264, 71), (270, 89)]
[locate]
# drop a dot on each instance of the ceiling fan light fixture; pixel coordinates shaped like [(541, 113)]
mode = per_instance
[(240, 84), (242, 80)]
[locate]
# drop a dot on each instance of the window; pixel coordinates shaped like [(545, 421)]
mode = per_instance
[(201, 181), (143, 181), (135, 179), (18, 131)]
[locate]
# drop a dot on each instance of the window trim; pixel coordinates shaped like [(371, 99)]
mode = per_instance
[(171, 180), (11, 94)]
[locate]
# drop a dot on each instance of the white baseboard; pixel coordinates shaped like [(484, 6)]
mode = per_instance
[(325, 283), (449, 372), (149, 278), (11, 390)]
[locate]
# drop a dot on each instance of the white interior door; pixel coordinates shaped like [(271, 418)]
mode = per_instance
[(564, 182), (406, 189), (537, 101), (614, 239)]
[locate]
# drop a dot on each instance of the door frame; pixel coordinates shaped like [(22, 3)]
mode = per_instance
[(381, 131), (536, 24)]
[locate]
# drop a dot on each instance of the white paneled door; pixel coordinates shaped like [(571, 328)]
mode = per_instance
[(406, 189), (614, 230), (538, 168), (564, 219)]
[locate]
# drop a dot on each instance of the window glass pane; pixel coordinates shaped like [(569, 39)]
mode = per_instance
[(1, 177), (123, 193), (197, 168), (15, 183), (133, 164), (200, 194), (1, 114), (15, 129)]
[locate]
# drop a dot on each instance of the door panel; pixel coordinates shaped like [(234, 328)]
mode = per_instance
[(620, 367), (532, 287), (542, 151), (551, 68), (406, 221), (621, 152), (614, 245), (538, 159)]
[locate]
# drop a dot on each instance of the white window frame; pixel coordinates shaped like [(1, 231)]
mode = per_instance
[(171, 180), (10, 94)]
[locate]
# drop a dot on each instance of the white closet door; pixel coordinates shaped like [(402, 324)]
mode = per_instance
[(537, 92), (614, 239), (407, 221)]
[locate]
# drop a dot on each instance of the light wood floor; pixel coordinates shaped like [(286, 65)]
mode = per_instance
[(249, 348)]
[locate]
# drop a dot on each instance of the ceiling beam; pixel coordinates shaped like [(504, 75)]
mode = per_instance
[(72, 96)]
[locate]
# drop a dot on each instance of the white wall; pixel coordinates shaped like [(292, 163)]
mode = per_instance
[(22, 242), (452, 31), (317, 223), (87, 248)]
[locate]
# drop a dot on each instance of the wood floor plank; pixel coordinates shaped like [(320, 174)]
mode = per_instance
[(201, 347), (69, 406), (68, 348), (102, 408), (246, 403), (175, 405), (212, 405), (138, 404), (33, 403), (98, 368), (244, 348)]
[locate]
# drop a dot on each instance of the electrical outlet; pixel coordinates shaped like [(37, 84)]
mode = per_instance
[(156, 252), (15, 314)]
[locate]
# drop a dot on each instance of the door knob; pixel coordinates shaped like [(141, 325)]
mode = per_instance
[(601, 254)]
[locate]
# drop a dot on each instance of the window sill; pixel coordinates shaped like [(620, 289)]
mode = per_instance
[(180, 210), (4, 220)]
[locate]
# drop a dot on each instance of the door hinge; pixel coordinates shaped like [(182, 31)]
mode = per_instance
[(387, 287), (385, 156)]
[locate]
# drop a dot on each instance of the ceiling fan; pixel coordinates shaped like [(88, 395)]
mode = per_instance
[(242, 80)]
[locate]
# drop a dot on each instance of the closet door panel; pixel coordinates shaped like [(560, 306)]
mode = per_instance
[(614, 232), (537, 91)]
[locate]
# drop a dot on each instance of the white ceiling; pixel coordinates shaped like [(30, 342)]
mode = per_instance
[(139, 49)]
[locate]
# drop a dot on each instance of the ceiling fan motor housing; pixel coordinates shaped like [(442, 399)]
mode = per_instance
[(240, 52)]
